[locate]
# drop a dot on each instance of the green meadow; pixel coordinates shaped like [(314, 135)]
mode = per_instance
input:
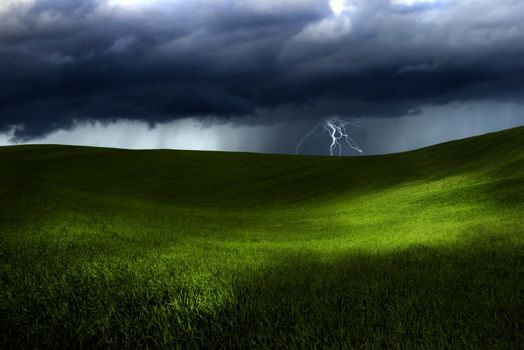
[(108, 248)]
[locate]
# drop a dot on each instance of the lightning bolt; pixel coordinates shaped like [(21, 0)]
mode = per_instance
[(339, 131)]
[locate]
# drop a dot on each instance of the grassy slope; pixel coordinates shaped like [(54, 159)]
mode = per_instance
[(105, 247)]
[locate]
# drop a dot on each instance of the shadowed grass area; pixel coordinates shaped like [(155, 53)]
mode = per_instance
[(167, 249), (421, 297)]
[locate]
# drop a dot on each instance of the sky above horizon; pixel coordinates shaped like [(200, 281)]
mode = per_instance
[(257, 75)]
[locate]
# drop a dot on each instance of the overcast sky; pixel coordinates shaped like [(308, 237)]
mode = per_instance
[(256, 75)]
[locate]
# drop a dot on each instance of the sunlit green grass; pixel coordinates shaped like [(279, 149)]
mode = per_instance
[(167, 249)]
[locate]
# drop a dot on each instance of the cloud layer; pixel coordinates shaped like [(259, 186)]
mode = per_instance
[(257, 61)]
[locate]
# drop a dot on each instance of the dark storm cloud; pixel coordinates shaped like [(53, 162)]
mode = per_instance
[(155, 61)]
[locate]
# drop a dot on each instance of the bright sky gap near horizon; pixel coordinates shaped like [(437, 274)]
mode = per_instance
[(255, 75)]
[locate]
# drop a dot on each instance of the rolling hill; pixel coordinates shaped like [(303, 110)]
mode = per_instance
[(174, 249)]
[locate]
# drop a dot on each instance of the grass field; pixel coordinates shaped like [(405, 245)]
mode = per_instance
[(175, 249)]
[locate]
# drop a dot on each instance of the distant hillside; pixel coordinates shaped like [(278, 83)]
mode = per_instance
[(240, 180)]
